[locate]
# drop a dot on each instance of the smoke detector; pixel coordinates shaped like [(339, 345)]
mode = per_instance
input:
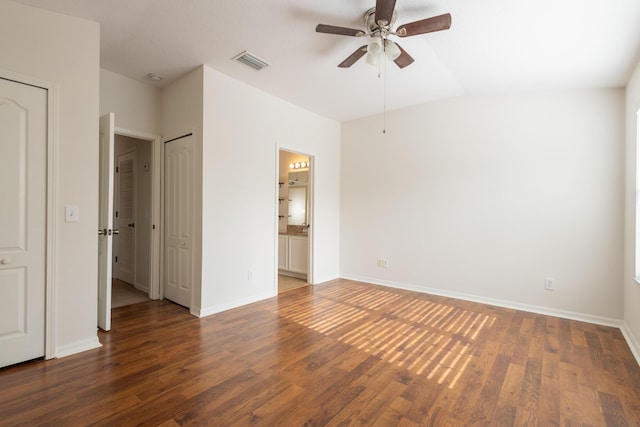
[(154, 77)]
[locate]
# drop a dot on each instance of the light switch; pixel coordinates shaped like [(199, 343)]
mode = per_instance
[(71, 213)]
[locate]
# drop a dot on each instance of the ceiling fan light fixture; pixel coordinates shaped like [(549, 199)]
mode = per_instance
[(374, 47), (373, 52), (392, 50), (372, 59)]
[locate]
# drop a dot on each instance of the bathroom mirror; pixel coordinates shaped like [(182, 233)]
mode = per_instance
[(298, 197), (298, 204)]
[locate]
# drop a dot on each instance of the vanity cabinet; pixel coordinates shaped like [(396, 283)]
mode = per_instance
[(283, 250), (293, 254), (298, 254)]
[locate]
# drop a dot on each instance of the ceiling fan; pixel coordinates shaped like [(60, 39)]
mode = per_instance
[(379, 22)]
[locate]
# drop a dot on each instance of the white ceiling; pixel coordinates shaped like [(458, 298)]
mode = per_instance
[(492, 46)]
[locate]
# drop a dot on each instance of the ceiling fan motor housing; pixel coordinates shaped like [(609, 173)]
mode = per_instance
[(375, 30)]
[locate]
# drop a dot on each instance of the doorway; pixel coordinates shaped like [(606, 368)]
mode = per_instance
[(295, 213), (146, 216), (131, 260)]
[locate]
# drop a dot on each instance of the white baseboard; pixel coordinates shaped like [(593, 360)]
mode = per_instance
[(293, 274), (208, 311), (581, 317), (77, 347), (633, 344), (141, 288)]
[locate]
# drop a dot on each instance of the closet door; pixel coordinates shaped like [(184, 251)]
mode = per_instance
[(23, 161), (178, 211)]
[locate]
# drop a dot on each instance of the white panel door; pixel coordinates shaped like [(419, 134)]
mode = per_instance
[(178, 227), (23, 154), (125, 241), (105, 220)]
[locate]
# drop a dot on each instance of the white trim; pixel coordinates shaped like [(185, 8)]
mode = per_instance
[(51, 301), (78, 346), (51, 294), (289, 273), (634, 346), (311, 218), (636, 206), (208, 311), (276, 232), (581, 317)]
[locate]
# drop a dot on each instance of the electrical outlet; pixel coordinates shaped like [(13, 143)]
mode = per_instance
[(249, 274), (550, 284), (383, 263)]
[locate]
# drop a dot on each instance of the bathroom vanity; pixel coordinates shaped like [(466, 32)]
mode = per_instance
[(293, 255)]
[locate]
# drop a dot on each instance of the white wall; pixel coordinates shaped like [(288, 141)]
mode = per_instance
[(65, 51), (631, 288), (484, 197), (243, 128), (136, 105)]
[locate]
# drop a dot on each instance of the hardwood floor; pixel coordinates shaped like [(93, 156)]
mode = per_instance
[(342, 353)]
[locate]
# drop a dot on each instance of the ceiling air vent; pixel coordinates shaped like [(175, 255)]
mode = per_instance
[(251, 60)]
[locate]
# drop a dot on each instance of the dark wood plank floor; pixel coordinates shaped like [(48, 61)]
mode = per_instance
[(342, 353)]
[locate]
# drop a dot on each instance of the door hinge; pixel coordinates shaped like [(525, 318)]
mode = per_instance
[(116, 214), (116, 259), (117, 169)]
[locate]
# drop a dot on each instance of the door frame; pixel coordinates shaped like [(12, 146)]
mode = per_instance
[(311, 205), (52, 89), (157, 153)]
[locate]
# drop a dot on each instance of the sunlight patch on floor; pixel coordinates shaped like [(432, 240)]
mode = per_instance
[(425, 337)]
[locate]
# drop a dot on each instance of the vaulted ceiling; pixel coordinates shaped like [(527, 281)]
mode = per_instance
[(492, 46)]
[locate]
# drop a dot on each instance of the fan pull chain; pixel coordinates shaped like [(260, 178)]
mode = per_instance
[(384, 99)]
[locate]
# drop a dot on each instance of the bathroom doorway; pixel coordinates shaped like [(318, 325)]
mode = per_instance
[(295, 213)]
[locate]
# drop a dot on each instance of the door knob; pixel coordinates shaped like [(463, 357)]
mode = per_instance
[(102, 232), (5, 261), (114, 231), (132, 225)]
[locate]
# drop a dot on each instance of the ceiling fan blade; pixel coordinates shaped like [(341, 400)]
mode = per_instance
[(429, 25), (353, 58), (384, 10), (404, 59), (341, 31)]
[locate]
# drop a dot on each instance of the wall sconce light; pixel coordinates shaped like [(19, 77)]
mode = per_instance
[(299, 165)]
